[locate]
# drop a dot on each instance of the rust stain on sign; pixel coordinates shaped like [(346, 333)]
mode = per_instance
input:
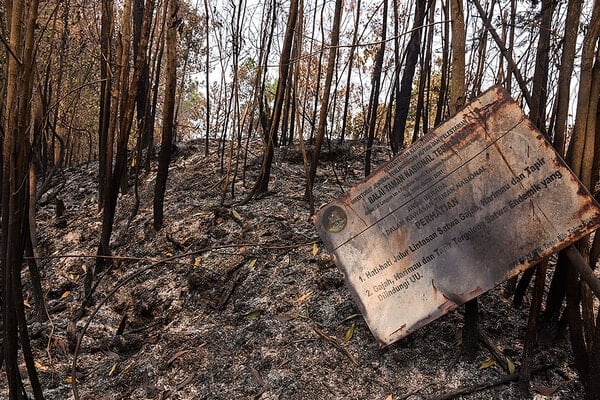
[(478, 200)]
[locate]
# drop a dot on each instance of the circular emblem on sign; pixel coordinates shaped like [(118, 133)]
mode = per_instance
[(334, 219)]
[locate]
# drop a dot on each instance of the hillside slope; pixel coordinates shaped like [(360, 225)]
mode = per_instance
[(243, 302)]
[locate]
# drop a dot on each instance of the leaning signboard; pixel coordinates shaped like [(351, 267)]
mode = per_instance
[(478, 200)]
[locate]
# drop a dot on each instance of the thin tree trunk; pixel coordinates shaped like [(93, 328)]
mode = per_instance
[(295, 76), (22, 17), (427, 66), (424, 68), (313, 118), (566, 71), (404, 94), (157, 72), (349, 76), (269, 19), (441, 104), (531, 335), (241, 117), (331, 63), (127, 96), (457, 88), (511, 42), (104, 133), (31, 250), (481, 55), (234, 100), (262, 183), (164, 157), (142, 88), (375, 88), (207, 66), (539, 93), (145, 124), (580, 157)]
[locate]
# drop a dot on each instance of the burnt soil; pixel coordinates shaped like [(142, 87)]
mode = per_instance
[(242, 301)]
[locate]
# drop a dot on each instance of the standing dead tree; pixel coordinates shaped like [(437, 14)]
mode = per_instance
[(582, 156), (331, 62), (457, 88), (559, 124), (349, 74), (105, 136), (375, 89), (262, 183), (404, 86), (124, 93), (16, 148), (164, 157)]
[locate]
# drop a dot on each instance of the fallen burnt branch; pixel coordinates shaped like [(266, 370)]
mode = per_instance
[(152, 265), (484, 386), (264, 246), (335, 344), (504, 362)]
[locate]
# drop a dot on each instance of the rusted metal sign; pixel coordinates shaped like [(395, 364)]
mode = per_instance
[(478, 200)]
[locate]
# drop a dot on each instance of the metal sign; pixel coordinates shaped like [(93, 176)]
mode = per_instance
[(478, 200)]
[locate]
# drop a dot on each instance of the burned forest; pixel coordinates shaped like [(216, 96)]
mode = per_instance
[(302, 199)]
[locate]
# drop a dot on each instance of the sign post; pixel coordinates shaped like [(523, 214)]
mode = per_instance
[(476, 201)]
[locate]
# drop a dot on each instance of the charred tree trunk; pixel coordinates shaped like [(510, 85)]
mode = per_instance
[(262, 183), (405, 89), (531, 335), (556, 293), (331, 62), (141, 100), (16, 147), (424, 68), (269, 20), (317, 90), (581, 158), (566, 71), (105, 138), (539, 93), (127, 90), (375, 89), (443, 96), (157, 73), (349, 76), (164, 157), (207, 77), (481, 55), (457, 88)]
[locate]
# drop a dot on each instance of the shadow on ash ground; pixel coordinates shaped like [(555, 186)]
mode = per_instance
[(246, 307)]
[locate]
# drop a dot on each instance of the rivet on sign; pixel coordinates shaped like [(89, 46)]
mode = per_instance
[(334, 219)]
